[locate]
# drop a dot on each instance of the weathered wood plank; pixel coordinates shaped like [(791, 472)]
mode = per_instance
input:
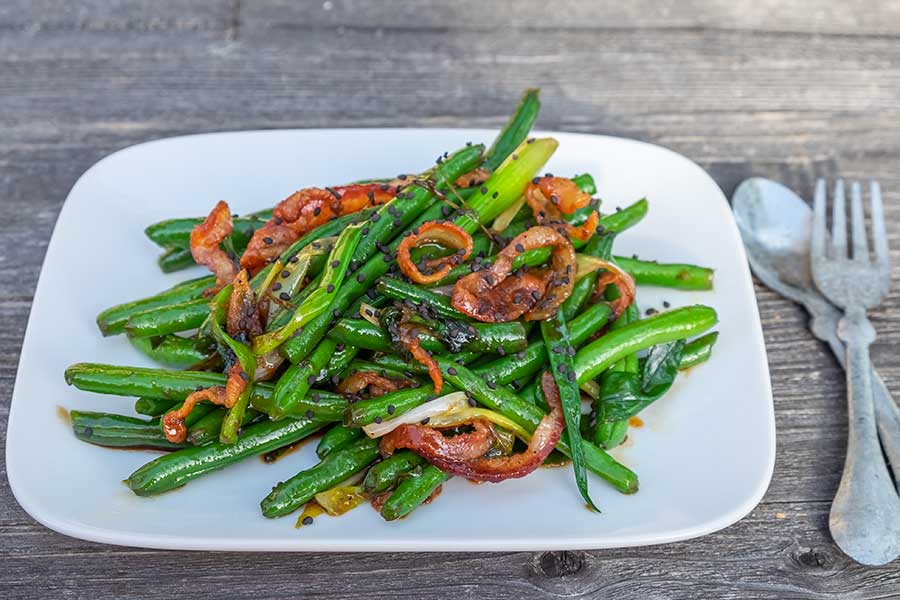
[(791, 91)]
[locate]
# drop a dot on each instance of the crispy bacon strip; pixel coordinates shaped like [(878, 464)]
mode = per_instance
[(205, 240), (442, 451), (551, 197), (243, 314), (303, 211), (173, 421), (372, 382), (435, 232), (614, 275), (409, 339), (463, 454), (493, 296)]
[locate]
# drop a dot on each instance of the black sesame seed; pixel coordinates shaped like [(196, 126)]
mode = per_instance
[(377, 419), (285, 274), (330, 288), (307, 520), (284, 296), (666, 304), (336, 313), (520, 248), (651, 311), (391, 408), (425, 421), (374, 218), (495, 194), (452, 371), (361, 277), (335, 264), (317, 211), (310, 413), (276, 286), (268, 240)]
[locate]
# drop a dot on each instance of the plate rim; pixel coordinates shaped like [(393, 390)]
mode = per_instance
[(385, 544)]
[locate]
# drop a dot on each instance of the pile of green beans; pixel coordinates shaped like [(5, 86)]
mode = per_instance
[(340, 289)]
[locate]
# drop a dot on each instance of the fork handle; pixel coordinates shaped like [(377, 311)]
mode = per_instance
[(858, 518)]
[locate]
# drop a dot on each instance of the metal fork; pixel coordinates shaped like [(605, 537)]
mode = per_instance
[(865, 514)]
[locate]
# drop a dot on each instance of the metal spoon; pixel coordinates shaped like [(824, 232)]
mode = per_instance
[(775, 225)]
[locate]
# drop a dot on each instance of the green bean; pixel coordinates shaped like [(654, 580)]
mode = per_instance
[(560, 350), (671, 275), (170, 350), (112, 320), (209, 427), (385, 474), (412, 492), (529, 361), (364, 412), (475, 337), (515, 131), (153, 407), (698, 351), (175, 259), (336, 438), (528, 415), (182, 466), (676, 324), (140, 381), (401, 290), (317, 404), (169, 319), (629, 216), (119, 431), (294, 385), (288, 496), (177, 232)]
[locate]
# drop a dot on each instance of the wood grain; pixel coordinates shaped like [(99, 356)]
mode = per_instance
[(791, 91)]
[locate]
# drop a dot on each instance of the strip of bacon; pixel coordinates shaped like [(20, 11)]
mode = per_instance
[(303, 211), (173, 421), (551, 197), (205, 240), (495, 295)]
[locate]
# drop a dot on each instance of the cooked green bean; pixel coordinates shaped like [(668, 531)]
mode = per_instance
[(119, 431), (387, 473), (671, 275), (182, 466), (287, 497), (336, 438)]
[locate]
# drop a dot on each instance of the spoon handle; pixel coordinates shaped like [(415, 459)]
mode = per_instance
[(887, 413), (865, 511)]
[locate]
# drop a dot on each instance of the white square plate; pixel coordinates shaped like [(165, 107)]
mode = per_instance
[(704, 457)]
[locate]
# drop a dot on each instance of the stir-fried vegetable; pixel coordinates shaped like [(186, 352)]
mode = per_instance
[(433, 325)]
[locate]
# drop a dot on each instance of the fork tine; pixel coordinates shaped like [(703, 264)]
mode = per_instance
[(858, 225), (818, 231), (879, 235), (839, 222)]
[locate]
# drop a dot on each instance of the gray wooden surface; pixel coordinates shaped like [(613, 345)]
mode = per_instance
[(786, 90)]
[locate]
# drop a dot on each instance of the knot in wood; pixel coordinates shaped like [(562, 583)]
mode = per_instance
[(560, 564), (813, 558)]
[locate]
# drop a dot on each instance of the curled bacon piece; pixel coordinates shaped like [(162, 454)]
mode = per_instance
[(303, 211), (551, 197), (372, 382), (464, 456), (435, 232), (205, 240), (442, 451), (173, 421), (243, 311), (409, 339), (493, 296), (614, 275)]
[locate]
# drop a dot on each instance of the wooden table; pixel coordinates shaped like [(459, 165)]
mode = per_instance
[(742, 87)]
